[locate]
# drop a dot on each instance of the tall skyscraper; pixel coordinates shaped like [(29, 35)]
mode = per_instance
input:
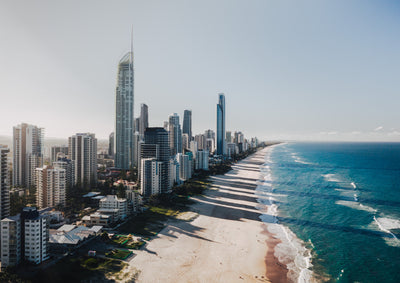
[(27, 154), (159, 138), (221, 125), (51, 186), (82, 150), (111, 145), (124, 119), (144, 119), (187, 123), (175, 134), (4, 185)]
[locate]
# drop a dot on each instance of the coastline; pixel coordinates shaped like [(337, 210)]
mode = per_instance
[(226, 242)]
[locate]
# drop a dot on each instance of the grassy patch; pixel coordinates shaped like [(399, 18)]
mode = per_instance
[(76, 269), (119, 254), (127, 241)]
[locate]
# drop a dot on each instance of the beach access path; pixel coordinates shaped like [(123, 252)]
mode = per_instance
[(226, 242)]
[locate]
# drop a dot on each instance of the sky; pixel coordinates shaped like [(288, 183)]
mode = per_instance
[(290, 70)]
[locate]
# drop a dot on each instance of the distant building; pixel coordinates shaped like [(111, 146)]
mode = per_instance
[(144, 118), (185, 141), (228, 136), (58, 152), (69, 167), (83, 152), (27, 154), (4, 183), (202, 159), (175, 134), (124, 113), (187, 123), (111, 145), (51, 185), (185, 166), (221, 125)]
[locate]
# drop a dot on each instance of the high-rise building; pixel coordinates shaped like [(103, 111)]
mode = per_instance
[(221, 125), (187, 123), (185, 166), (124, 119), (175, 134), (35, 235), (202, 159), (111, 145), (51, 186), (82, 149), (58, 152), (27, 154), (156, 144), (228, 136), (4, 183), (151, 182), (69, 166), (185, 141), (144, 119)]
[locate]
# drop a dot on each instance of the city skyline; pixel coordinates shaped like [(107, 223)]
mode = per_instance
[(294, 69)]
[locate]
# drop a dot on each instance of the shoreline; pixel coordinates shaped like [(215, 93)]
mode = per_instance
[(226, 242)]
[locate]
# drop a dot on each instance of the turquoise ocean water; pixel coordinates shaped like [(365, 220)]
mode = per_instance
[(336, 208)]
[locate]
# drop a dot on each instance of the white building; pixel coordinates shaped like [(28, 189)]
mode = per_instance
[(118, 207), (151, 176), (69, 167), (36, 235), (50, 186)]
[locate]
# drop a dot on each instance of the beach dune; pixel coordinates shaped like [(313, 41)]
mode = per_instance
[(226, 242)]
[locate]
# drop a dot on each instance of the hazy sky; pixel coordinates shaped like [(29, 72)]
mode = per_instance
[(324, 70)]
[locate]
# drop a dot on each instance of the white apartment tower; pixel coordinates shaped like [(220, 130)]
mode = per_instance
[(82, 150), (27, 154), (10, 241), (51, 186)]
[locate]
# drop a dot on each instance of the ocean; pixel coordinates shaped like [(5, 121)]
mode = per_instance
[(336, 209)]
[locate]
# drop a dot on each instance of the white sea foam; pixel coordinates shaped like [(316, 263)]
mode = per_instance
[(385, 224), (331, 178), (356, 205), (291, 251), (353, 185)]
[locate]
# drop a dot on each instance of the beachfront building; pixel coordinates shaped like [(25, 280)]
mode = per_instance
[(82, 150), (51, 185), (4, 183), (27, 154), (115, 206), (151, 183), (159, 137), (221, 125), (124, 113), (187, 123), (175, 134)]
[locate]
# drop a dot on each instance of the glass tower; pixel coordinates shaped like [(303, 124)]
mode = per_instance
[(221, 125), (124, 121)]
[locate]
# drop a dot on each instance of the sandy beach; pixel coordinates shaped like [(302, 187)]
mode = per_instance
[(225, 242)]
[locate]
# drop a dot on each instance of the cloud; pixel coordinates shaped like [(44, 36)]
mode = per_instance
[(378, 129)]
